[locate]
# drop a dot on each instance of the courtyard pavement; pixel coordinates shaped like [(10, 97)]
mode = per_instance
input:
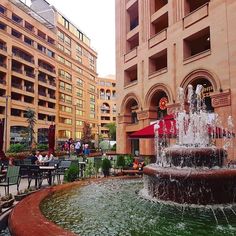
[(23, 186)]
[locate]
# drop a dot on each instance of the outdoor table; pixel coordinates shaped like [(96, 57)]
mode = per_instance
[(48, 169)]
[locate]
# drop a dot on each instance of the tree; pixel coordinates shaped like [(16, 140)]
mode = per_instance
[(31, 119), (87, 133), (112, 130)]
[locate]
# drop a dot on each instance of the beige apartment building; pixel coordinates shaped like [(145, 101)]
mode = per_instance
[(165, 44), (46, 64), (106, 104)]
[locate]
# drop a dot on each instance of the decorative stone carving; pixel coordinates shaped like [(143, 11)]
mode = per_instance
[(221, 99)]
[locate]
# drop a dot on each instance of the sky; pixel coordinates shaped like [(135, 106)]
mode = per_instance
[(96, 19)]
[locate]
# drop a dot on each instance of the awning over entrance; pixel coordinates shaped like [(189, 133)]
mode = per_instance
[(166, 126)]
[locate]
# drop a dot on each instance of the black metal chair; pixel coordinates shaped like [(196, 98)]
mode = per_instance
[(12, 178), (63, 166), (35, 173)]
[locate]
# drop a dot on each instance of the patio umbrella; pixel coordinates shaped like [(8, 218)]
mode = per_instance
[(51, 138), (2, 154)]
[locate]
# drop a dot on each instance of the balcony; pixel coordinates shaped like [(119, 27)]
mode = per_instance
[(196, 15), (42, 79), (158, 38), (29, 89), (130, 55), (18, 70), (30, 74), (42, 93), (48, 68), (16, 85), (23, 56)]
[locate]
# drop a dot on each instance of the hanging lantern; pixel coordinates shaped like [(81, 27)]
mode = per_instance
[(162, 103)]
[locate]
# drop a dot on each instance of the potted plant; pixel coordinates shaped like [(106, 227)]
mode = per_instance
[(7, 201), (106, 166)]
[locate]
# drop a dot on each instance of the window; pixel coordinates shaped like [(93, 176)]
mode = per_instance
[(16, 34), (61, 47), (68, 87), (28, 26), (41, 48), (41, 34), (91, 59), (133, 15), (192, 5), (80, 92), (158, 62), (92, 88), (16, 19), (61, 59), (79, 103), (50, 53), (197, 43), (67, 40), (80, 82), (160, 24), (68, 76), (79, 49), (3, 26), (79, 70), (2, 10), (79, 59), (28, 41), (79, 123), (92, 107), (92, 115), (67, 51), (61, 73), (60, 35), (131, 75), (68, 63), (92, 98), (65, 109), (79, 112), (91, 77), (51, 40)]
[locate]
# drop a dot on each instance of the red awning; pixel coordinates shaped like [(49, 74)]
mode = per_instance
[(166, 126)]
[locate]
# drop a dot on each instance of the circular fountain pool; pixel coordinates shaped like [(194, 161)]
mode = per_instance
[(114, 207)]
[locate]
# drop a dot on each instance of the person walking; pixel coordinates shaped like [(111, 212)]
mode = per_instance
[(78, 147)]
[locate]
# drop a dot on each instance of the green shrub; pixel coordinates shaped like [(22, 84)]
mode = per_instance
[(15, 148), (72, 173), (106, 165), (120, 162), (129, 159), (89, 171), (113, 147), (42, 146)]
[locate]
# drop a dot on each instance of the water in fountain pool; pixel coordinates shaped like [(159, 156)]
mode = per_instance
[(113, 207)]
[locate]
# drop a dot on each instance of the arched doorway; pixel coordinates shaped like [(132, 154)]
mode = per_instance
[(158, 102), (206, 91)]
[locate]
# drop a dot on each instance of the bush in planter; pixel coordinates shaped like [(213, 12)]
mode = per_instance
[(42, 146), (89, 171), (16, 148), (120, 162), (106, 165), (129, 159), (72, 173)]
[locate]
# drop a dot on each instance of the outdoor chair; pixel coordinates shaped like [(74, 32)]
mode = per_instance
[(12, 178), (63, 166), (36, 174)]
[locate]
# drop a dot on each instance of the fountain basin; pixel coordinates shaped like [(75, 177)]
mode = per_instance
[(200, 186), (195, 157)]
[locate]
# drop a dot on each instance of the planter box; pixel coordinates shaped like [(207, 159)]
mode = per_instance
[(19, 197), (7, 204)]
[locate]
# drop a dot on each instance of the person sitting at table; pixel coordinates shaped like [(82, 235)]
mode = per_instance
[(49, 157), (39, 157), (33, 158)]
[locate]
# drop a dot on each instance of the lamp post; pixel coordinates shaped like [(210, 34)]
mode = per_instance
[(6, 119), (98, 136)]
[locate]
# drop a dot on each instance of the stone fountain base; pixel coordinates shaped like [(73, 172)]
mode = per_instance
[(191, 185)]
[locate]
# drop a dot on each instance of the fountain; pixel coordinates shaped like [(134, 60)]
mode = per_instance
[(194, 170)]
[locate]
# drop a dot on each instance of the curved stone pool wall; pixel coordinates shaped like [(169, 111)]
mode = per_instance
[(26, 218)]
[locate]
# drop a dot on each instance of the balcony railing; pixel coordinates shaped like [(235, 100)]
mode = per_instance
[(18, 70), (16, 85), (42, 79), (41, 93), (29, 89), (29, 74), (24, 57), (47, 68)]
